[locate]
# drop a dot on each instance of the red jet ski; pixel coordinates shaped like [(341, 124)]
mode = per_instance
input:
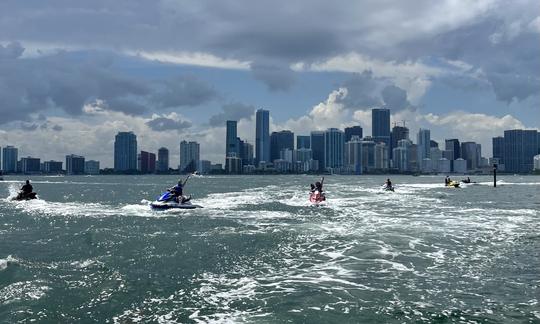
[(316, 197)]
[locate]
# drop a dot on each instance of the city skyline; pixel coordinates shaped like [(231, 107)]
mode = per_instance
[(456, 68)]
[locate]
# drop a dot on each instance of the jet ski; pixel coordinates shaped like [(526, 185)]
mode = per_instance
[(388, 188), (453, 184), (316, 197), (25, 196), (168, 201)]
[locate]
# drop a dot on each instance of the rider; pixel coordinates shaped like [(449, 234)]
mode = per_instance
[(446, 180), (318, 186), (178, 192), (27, 188), (388, 183)]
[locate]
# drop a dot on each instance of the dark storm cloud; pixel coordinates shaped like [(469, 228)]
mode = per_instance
[(68, 81), (234, 111), (162, 124), (481, 33), (184, 91)]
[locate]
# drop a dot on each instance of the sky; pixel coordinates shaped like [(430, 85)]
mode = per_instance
[(73, 73)]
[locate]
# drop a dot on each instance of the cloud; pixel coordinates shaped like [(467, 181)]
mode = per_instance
[(11, 51), (233, 111), (184, 91), (276, 78), (395, 98), (167, 123)]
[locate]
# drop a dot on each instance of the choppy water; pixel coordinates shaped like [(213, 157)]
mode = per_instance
[(91, 250)]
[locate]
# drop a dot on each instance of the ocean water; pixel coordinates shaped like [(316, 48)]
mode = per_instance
[(91, 250)]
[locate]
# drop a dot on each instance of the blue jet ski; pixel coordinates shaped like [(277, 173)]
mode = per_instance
[(169, 201)]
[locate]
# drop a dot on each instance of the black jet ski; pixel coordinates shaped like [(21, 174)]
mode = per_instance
[(25, 196), (169, 201), (388, 188)]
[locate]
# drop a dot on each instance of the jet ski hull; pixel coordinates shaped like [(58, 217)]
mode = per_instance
[(29, 196), (172, 205), (388, 189), (453, 184)]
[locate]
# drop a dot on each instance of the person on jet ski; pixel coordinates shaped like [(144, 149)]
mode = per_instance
[(446, 180), (178, 192), (312, 188), (27, 188), (319, 186), (388, 183)]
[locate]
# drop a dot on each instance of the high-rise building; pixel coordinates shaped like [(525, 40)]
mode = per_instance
[(469, 153), (520, 147), (163, 160), (317, 148), (398, 133), (353, 155), (30, 165), (380, 123), (9, 159), (205, 166), (433, 143), (381, 156), (125, 152), (91, 167), (262, 136), (189, 157), (233, 165), (52, 166), (147, 162), (232, 139), (246, 153), (498, 148), (401, 155), (74, 164), (280, 141), (454, 146), (333, 148), (424, 144), (368, 155), (303, 141), (353, 131)]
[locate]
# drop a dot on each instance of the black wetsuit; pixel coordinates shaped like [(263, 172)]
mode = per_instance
[(27, 188)]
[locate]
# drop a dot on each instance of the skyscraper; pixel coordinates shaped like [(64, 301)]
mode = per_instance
[(520, 147), (9, 159), (469, 152), (334, 141), (353, 131), (498, 148), (231, 139), (262, 136), (454, 146), (147, 162), (353, 155), (125, 152), (398, 133), (303, 141), (380, 123), (74, 164), (189, 157), (423, 142), (163, 160), (246, 153), (280, 141), (317, 148)]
